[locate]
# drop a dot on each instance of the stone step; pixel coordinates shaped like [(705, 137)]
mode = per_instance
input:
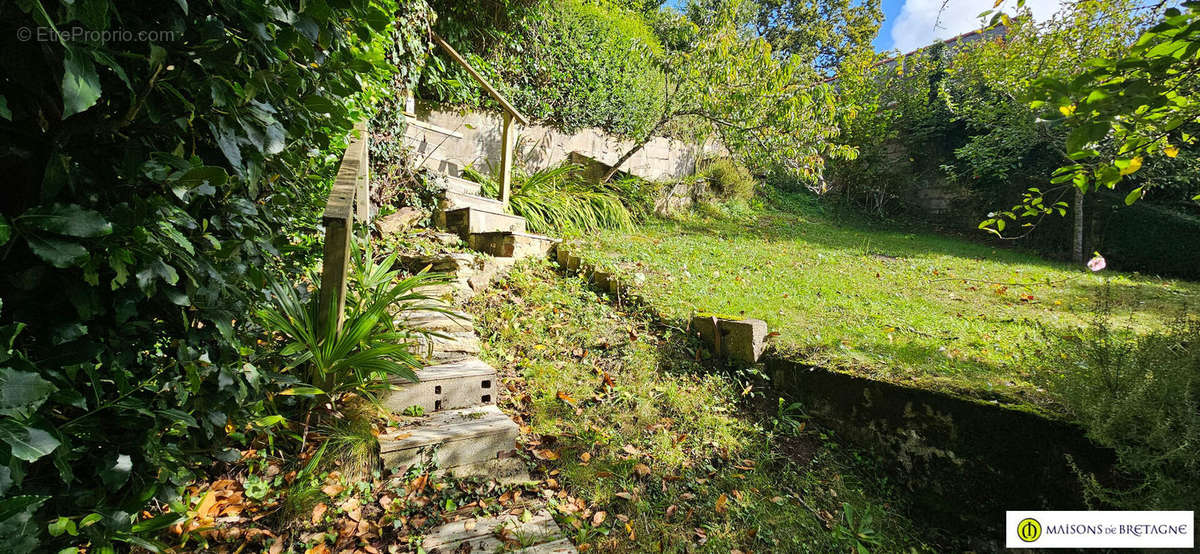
[(513, 244), (539, 535), (452, 200), (462, 186), (467, 221), (468, 441), (461, 384)]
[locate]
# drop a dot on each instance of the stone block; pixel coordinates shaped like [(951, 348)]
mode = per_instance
[(468, 221), (573, 263), (739, 339), (394, 223), (601, 278)]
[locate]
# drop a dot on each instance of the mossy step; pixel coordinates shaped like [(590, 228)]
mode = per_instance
[(468, 438), (461, 384)]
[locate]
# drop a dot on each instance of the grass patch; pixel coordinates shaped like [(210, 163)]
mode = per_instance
[(909, 307), (651, 451)]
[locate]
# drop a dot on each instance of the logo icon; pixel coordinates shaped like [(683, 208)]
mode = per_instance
[(1029, 529)]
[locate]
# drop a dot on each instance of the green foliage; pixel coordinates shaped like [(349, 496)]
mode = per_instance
[(573, 64), (1140, 395), (822, 33), (1152, 239), (731, 180), (157, 189), (1124, 108), (366, 349), (556, 200)]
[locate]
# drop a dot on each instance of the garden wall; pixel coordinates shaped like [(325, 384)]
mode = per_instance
[(965, 462), (448, 140)]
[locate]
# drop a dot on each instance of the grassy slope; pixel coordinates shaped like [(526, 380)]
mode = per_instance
[(914, 308), (665, 449)]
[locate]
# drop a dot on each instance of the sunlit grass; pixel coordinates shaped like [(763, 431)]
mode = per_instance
[(894, 304), (662, 442)]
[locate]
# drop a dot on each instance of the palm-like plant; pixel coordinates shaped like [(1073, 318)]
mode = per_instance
[(556, 200), (369, 347)]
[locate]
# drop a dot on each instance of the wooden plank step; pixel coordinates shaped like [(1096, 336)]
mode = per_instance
[(538, 535), (467, 221), (451, 438), (461, 384), (513, 244), (462, 186), (452, 200)]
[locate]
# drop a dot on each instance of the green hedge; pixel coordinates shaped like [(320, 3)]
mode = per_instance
[(572, 64), (1152, 239), (165, 162)]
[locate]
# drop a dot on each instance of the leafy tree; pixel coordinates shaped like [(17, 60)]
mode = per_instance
[(1124, 109), (764, 109), (822, 32)]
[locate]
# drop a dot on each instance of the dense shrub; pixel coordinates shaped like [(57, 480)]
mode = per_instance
[(1140, 395), (572, 64), (156, 188), (1152, 239), (730, 180)]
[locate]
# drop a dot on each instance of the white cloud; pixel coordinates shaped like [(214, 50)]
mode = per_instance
[(919, 24)]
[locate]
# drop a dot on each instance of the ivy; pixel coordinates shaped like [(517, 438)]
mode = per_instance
[(160, 184)]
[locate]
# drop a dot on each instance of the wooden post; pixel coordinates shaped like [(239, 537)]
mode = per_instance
[(362, 192), (350, 194), (507, 145), (333, 272)]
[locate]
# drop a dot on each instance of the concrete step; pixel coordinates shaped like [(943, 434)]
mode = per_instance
[(446, 346), (438, 322), (513, 244), (468, 441), (452, 200), (462, 186), (539, 535), (467, 221), (461, 384)]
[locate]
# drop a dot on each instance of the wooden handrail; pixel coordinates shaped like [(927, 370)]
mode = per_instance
[(504, 103), (348, 200)]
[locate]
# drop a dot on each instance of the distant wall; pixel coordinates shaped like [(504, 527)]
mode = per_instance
[(448, 141)]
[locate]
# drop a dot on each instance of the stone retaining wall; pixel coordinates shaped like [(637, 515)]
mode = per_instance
[(448, 141)]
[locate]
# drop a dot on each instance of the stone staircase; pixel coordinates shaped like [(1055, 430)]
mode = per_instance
[(449, 415)]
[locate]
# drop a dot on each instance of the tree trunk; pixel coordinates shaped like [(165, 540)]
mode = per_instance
[(1077, 247)]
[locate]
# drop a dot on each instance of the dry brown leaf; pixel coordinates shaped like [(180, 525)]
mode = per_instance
[(642, 469), (585, 457), (562, 395), (721, 503), (318, 512), (632, 535), (598, 518), (332, 490), (318, 549), (625, 495), (671, 510)]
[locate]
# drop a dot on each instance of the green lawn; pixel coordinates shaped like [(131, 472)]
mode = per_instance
[(898, 305), (643, 449)]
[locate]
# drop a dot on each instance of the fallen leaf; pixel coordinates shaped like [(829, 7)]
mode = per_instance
[(332, 490), (721, 503), (642, 469), (318, 512), (546, 454), (671, 510), (585, 457), (625, 495), (598, 518)]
